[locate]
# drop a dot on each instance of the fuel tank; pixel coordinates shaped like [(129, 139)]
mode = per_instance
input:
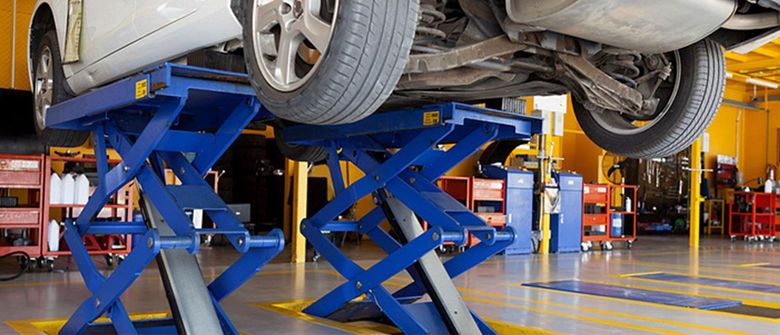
[(643, 25)]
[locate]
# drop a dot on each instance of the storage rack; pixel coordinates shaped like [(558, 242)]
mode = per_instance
[(600, 205), (22, 176), (619, 206), (488, 193), (752, 215), (595, 215), (112, 247)]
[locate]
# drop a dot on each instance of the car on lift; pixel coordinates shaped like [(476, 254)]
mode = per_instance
[(646, 77)]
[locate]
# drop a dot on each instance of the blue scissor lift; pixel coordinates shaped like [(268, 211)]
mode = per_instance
[(402, 154), (184, 118)]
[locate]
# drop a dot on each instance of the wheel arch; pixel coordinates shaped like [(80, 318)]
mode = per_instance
[(47, 15)]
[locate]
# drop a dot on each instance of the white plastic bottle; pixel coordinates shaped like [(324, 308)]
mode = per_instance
[(68, 189), (769, 186), (54, 236), (55, 189), (81, 195)]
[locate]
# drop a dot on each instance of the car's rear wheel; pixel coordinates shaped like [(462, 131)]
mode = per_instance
[(327, 61), (689, 99), (48, 90)]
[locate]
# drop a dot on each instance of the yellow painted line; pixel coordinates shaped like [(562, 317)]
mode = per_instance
[(724, 278), (295, 308), (752, 302), (599, 311), (686, 267), (610, 323), (473, 292), (650, 304), (53, 326), (640, 274), (749, 265), (719, 288)]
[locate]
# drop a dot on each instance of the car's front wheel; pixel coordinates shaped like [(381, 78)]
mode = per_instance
[(49, 89), (327, 61), (688, 100)]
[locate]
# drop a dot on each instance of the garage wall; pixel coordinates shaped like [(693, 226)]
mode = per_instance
[(16, 44)]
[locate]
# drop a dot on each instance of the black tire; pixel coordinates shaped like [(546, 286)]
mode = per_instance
[(300, 153), (368, 50), (54, 137), (703, 79)]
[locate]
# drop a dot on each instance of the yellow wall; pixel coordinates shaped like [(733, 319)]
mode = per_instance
[(7, 42)]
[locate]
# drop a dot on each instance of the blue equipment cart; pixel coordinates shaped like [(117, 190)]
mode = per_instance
[(566, 226), (183, 118), (402, 154)]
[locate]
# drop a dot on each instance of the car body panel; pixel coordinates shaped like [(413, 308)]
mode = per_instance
[(151, 32)]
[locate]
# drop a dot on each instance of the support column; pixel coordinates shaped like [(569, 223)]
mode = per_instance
[(695, 199), (300, 171)]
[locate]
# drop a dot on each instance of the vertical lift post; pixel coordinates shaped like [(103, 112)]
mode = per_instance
[(402, 154), (182, 118)]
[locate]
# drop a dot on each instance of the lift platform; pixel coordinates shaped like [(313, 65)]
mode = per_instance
[(402, 153), (182, 118)]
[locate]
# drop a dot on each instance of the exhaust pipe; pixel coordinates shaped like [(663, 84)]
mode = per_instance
[(753, 21)]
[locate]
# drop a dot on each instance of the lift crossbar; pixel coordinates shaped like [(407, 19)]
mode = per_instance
[(402, 154), (183, 119)]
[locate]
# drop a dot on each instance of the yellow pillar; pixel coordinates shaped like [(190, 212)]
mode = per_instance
[(544, 169), (299, 195), (695, 195)]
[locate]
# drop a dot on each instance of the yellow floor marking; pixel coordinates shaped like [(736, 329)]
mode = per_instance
[(649, 304), (724, 278), (597, 311), (752, 302), (748, 265), (721, 270), (470, 296), (712, 287), (640, 274), (295, 309), (53, 326)]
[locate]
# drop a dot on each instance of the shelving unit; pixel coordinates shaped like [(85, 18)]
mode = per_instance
[(752, 215), (22, 178), (602, 205), (120, 209), (595, 216)]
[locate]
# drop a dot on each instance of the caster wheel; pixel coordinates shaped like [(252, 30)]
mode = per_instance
[(602, 246), (50, 266), (584, 247), (629, 244), (315, 258), (109, 260), (733, 239), (608, 246)]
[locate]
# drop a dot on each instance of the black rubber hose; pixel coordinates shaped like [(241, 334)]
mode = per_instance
[(24, 256)]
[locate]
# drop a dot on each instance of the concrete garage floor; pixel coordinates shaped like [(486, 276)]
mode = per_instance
[(491, 289)]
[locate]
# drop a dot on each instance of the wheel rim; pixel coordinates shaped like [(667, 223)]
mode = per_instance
[(290, 37), (617, 124), (44, 86)]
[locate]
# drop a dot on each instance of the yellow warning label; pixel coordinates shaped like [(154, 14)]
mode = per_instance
[(431, 118), (141, 89)]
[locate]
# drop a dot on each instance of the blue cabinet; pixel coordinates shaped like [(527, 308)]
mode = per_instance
[(519, 205), (566, 226)]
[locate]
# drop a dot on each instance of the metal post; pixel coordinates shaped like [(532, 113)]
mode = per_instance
[(544, 177), (695, 195), (300, 194)]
